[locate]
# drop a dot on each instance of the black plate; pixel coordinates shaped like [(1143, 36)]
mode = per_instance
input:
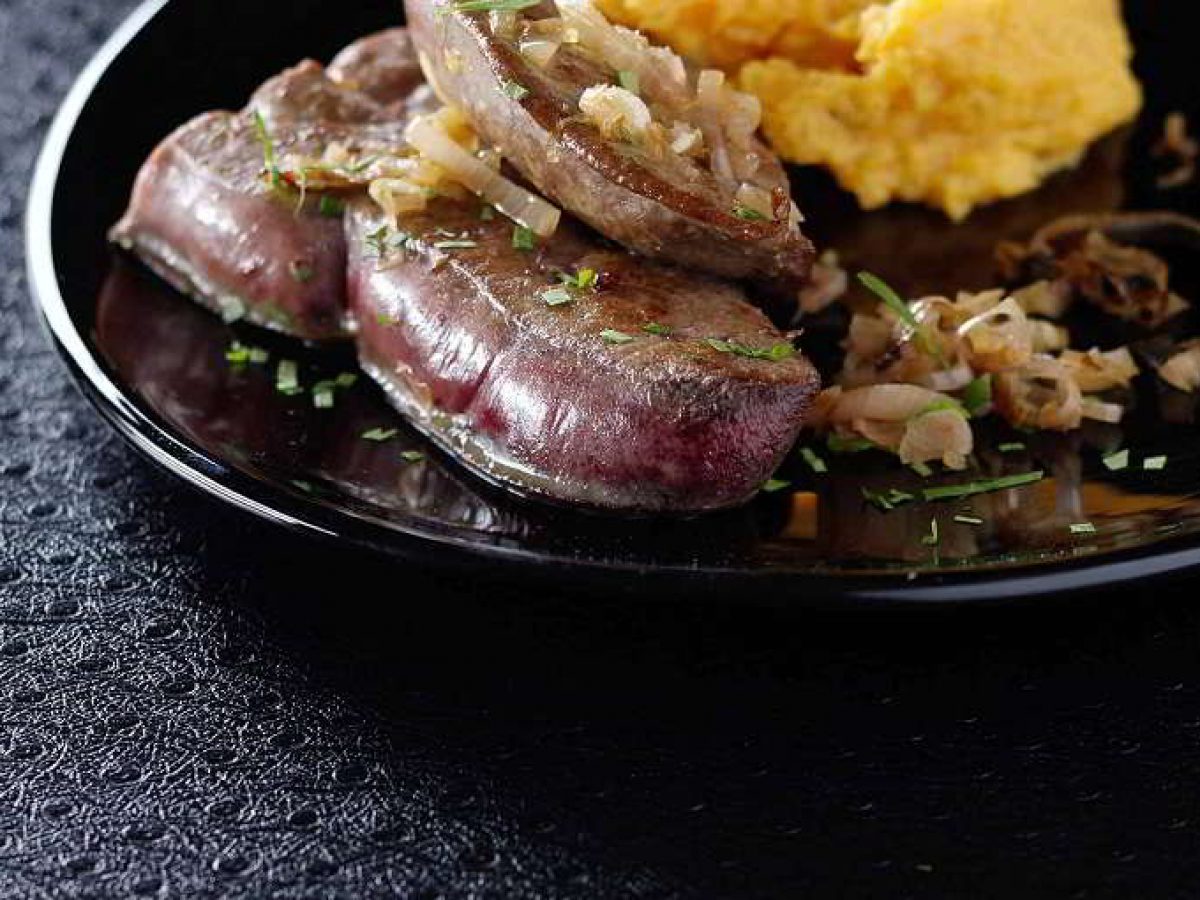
[(154, 365)]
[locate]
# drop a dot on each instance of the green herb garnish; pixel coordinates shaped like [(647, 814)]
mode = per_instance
[(287, 378), (232, 309), (487, 213), (746, 214), (921, 469), (893, 301), (412, 456), (1117, 461), (977, 396), (814, 462), (514, 90), (972, 488), (947, 405), (1154, 463), (583, 280), (456, 244), (259, 356), (380, 435), (385, 319), (1082, 528), (523, 238), (238, 354), (629, 81), (656, 329), (304, 486), (775, 353), (838, 444), (968, 520), (1011, 447), (775, 485), (346, 380), (323, 394), (611, 336), (331, 207), (557, 297), (471, 6), (887, 500), (934, 537), (270, 159)]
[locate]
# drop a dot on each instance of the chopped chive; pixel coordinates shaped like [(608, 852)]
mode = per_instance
[(933, 538), (385, 319), (814, 462), (238, 354), (893, 301), (977, 396), (656, 329), (629, 81), (346, 380), (557, 297), (1011, 447), (487, 213), (514, 90), (583, 280), (775, 485), (970, 489), (323, 394), (1117, 461), (747, 214), (268, 145), (379, 435), (968, 520), (301, 272), (775, 353), (946, 405), (287, 377), (259, 356), (1154, 463), (304, 486), (1082, 528), (611, 336), (838, 444), (470, 6), (233, 309), (331, 207), (412, 456), (921, 469), (887, 500), (457, 244), (523, 238)]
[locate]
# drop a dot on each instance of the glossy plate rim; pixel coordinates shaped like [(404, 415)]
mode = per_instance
[(426, 541)]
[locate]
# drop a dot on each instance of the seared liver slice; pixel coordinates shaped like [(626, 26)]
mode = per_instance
[(535, 397), (625, 196), (205, 218)]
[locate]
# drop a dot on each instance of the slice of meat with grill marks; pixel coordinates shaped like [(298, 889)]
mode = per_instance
[(637, 393), (657, 204), (208, 218)]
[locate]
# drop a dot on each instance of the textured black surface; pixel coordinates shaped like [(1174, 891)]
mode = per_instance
[(192, 704)]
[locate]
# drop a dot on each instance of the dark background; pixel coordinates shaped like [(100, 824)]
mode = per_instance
[(195, 704)]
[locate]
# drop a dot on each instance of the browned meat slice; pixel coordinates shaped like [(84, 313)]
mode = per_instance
[(383, 66), (203, 217), (209, 217), (647, 164), (571, 370)]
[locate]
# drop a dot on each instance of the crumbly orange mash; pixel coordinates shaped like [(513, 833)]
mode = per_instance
[(953, 103)]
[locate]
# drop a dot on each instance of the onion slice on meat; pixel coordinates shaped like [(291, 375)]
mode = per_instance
[(522, 206)]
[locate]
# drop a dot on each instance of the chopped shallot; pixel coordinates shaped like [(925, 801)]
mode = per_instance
[(1182, 370)]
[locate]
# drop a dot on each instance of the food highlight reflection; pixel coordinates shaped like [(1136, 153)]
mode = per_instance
[(210, 382)]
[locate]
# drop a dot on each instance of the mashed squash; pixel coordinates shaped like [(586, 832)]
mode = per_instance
[(953, 103)]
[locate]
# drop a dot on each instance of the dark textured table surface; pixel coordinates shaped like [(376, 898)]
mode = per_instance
[(195, 705)]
